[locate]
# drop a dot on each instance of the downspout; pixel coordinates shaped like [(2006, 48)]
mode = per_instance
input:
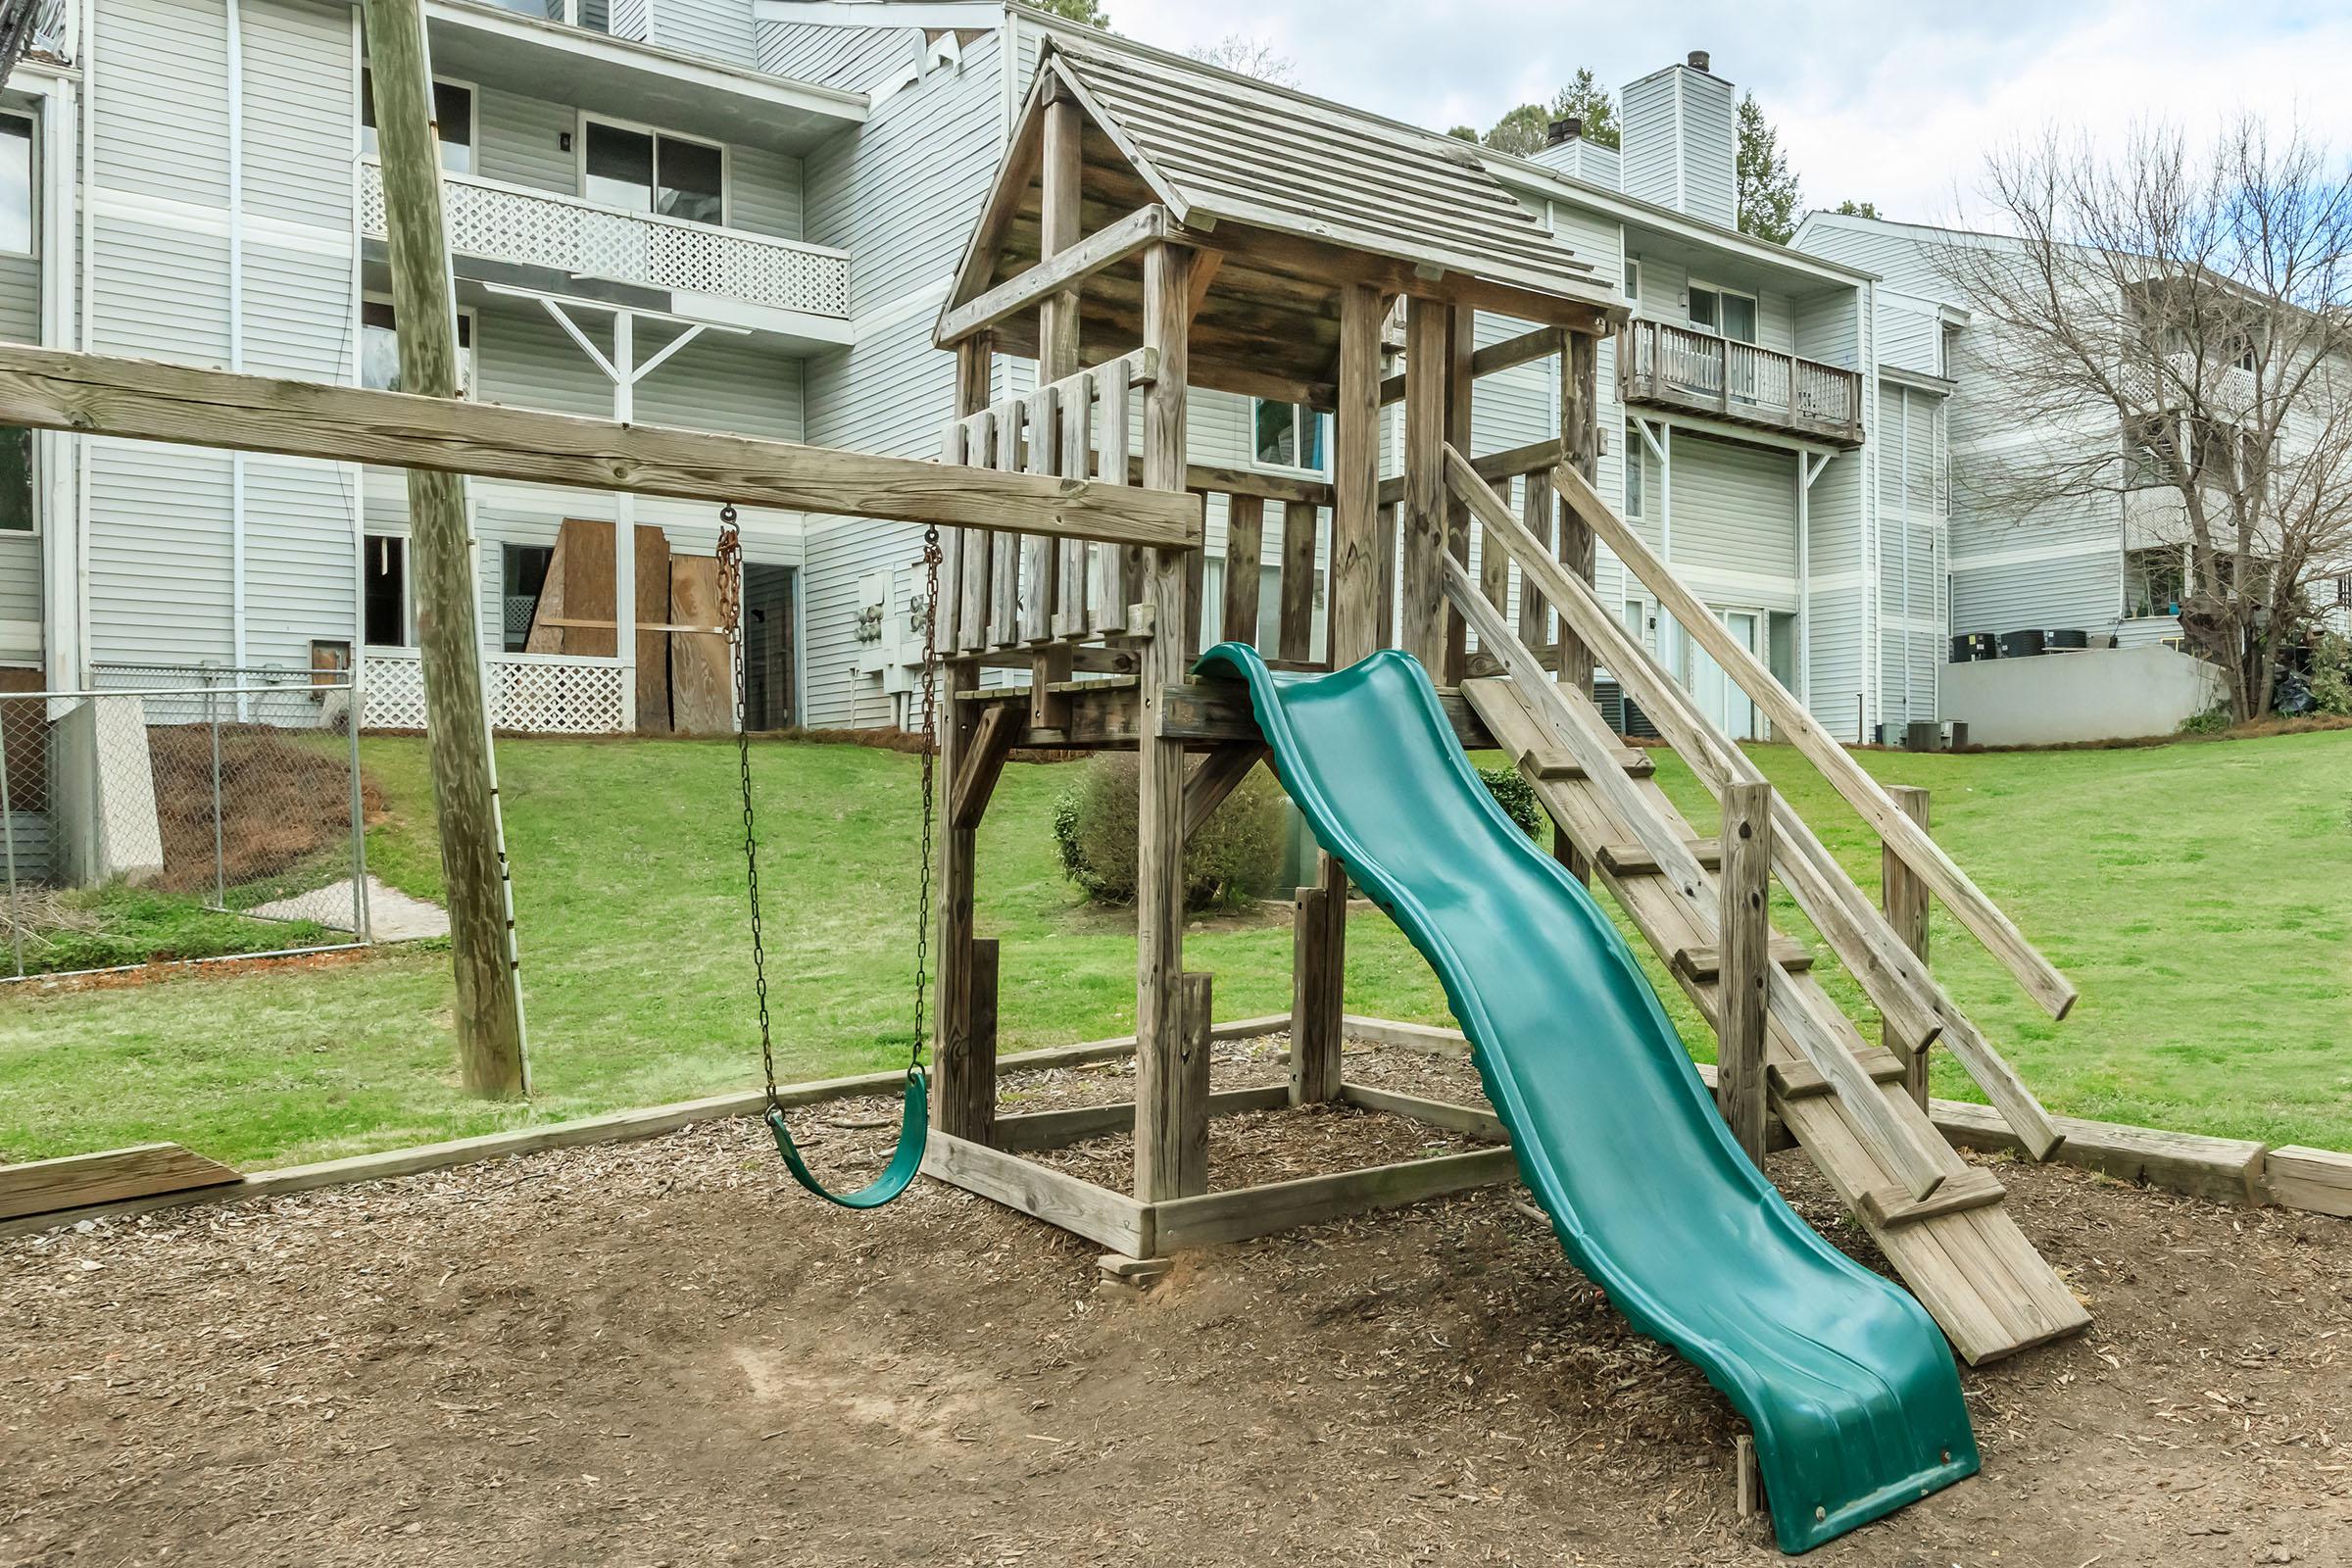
[(1904, 491), (236, 323), (65, 639), (86, 299)]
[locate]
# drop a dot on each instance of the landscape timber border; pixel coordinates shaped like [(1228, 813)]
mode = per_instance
[(2231, 1171)]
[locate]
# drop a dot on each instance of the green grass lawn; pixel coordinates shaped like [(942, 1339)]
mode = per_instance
[(2199, 895)]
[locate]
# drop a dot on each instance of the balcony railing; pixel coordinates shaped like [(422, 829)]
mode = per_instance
[(1737, 381), (540, 228)]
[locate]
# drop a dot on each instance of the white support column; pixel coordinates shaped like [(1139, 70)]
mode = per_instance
[(1660, 441), (64, 635), (624, 523), (1810, 467)]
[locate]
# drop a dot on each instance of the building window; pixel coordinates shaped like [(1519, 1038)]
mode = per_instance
[(522, 573), (453, 122), (385, 590), (1633, 278), (16, 185), (1636, 475), (380, 348), (1285, 435), (1723, 313), (16, 510), (2155, 581), (653, 171)]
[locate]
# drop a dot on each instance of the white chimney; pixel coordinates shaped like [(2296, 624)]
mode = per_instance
[(1566, 150), (1681, 141)]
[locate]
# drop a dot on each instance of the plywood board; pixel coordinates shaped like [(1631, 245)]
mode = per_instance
[(653, 609), (701, 676)]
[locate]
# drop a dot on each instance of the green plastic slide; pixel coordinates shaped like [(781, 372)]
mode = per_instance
[(1846, 1379)]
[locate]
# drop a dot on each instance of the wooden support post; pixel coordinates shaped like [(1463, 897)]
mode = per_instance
[(1318, 954), (1172, 1108), (1245, 549), (1462, 340), (1745, 974), (1421, 599), (1904, 897), (1297, 581), (1059, 222), (965, 1055), (1572, 537), (1194, 1001), (1353, 627), (474, 856), (1751, 1482)]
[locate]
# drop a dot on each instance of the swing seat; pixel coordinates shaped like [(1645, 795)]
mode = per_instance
[(914, 1130)]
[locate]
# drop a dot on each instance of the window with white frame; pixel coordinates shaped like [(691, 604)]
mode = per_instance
[(453, 122), (522, 576), (1633, 278), (1723, 312), (18, 511), (385, 590), (643, 171), (380, 348), (1285, 435), (16, 185)]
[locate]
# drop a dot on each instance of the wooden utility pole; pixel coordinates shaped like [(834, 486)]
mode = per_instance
[(473, 856)]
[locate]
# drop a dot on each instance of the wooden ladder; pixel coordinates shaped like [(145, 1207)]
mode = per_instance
[(1958, 1248)]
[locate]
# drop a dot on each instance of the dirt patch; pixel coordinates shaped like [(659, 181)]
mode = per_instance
[(662, 1352), (282, 803)]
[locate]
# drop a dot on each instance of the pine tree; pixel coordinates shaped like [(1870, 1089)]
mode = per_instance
[(1850, 208), (1086, 13), (1588, 100), (1768, 195)]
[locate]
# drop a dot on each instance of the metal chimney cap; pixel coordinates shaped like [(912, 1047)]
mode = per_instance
[(1567, 129), (1699, 60)]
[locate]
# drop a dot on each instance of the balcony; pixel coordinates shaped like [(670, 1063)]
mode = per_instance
[(699, 265), (1674, 367)]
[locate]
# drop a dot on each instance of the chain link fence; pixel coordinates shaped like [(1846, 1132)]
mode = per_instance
[(176, 812)]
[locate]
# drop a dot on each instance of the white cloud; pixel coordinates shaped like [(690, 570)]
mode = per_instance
[(1887, 103)]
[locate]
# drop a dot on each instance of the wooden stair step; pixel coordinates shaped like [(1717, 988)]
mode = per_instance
[(1801, 1080), (1704, 965), (1548, 767), (1892, 1206), (1632, 859)]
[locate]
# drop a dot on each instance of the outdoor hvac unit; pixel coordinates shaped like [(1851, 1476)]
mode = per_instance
[(1972, 646), (2020, 644), (890, 627)]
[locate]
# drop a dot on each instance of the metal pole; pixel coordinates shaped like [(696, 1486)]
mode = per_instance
[(212, 709), (8, 837), (362, 926)]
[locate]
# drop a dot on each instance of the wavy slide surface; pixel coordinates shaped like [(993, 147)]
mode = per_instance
[(1848, 1381)]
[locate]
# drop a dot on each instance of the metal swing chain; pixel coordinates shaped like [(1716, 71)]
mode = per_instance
[(730, 610)]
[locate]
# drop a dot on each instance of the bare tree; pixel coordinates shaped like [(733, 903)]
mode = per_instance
[(1249, 56), (2174, 328)]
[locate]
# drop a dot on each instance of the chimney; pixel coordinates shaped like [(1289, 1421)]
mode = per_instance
[(1568, 129), (1681, 139)]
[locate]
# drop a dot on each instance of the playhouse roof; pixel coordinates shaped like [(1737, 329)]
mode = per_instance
[(1300, 195)]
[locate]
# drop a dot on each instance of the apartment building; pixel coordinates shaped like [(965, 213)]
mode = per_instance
[(744, 215)]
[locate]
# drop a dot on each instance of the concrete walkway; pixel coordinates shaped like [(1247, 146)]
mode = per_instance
[(392, 915)]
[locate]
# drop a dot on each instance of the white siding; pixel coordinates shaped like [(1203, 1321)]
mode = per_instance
[(714, 30), (1680, 135), (1735, 522), (856, 58), (298, 558), (520, 141), (164, 70), (299, 112), (160, 554), (21, 299), (763, 194)]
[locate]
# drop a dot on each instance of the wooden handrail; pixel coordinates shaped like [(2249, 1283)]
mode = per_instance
[(1909, 1156), (1984, 919), (1915, 1006)]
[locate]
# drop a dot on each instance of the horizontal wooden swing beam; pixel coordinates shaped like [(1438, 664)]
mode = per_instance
[(147, 400), (1066, 270)]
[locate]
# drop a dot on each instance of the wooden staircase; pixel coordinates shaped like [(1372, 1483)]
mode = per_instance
[(1957, 1249), (1943, 1224)]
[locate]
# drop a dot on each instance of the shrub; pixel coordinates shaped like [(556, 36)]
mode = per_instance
[(2211, 721), (1234, 858), (1517, 797), (2331, 675)]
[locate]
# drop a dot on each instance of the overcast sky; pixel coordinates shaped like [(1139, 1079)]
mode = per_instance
[(1887, 102)]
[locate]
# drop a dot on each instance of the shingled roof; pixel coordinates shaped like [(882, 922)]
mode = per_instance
[(1305, 195)]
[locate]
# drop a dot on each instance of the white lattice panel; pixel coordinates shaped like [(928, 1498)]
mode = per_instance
[(534, 693), (535, 228)]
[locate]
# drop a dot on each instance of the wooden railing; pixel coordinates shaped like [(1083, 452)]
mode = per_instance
[(1658, 363)]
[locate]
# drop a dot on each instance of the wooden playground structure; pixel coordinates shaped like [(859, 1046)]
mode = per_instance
[(1136, 247), (1136, 250)]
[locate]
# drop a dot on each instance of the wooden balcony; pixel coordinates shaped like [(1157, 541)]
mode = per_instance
[(1674, 367)]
